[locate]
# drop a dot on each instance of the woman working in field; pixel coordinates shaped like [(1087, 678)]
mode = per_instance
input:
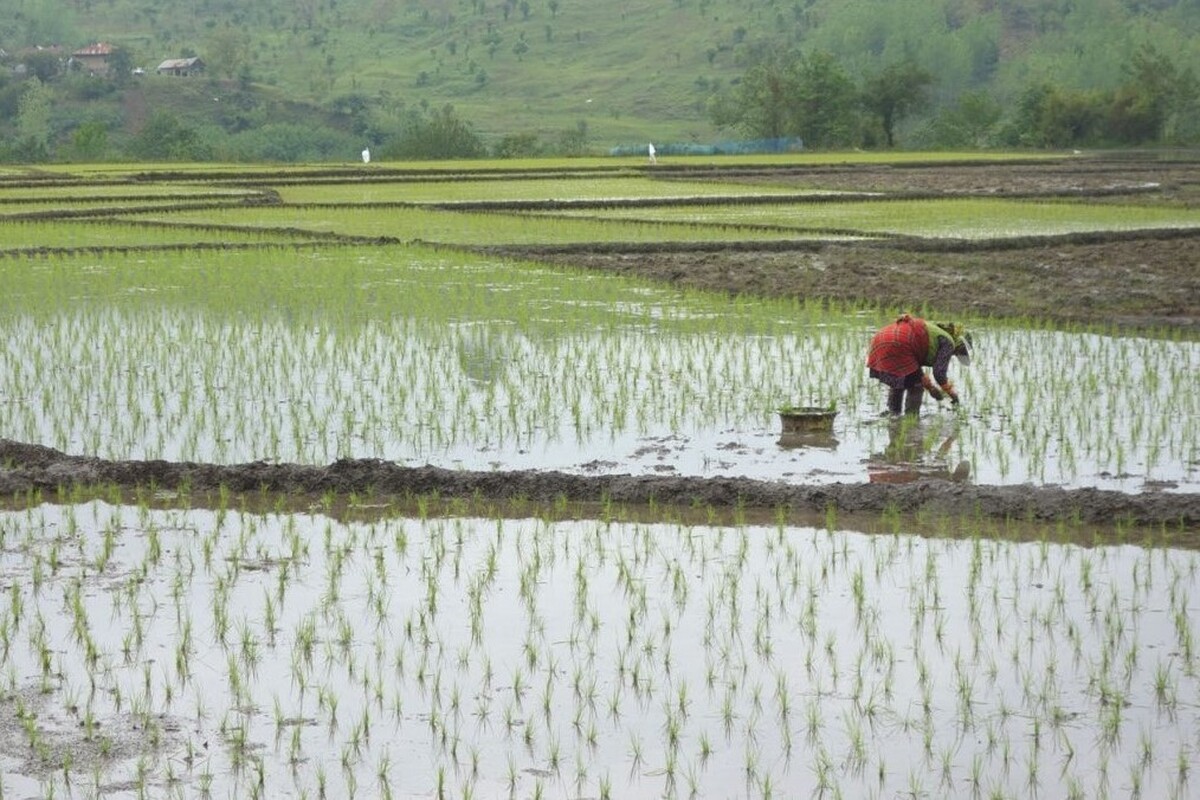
[(900, 351)]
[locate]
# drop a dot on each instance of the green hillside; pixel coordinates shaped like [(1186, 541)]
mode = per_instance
[(611, 73)]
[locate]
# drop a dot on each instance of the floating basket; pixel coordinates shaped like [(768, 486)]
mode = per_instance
[(807, 419)]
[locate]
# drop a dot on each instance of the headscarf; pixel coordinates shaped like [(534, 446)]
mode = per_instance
[(961, 338)]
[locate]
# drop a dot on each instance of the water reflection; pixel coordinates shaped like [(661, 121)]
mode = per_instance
[(915, 451), (794, 440)]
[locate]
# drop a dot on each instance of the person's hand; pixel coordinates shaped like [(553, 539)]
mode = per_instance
[(931, 387), (949, 391)]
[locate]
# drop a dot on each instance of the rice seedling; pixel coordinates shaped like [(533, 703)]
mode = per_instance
[(530, 188), (450, 227), (431, 330), (960, 218), (584, 643), (19, 236)]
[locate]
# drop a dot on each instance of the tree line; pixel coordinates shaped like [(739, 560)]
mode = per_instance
[(55, 114), (51, 114), (812, 96)]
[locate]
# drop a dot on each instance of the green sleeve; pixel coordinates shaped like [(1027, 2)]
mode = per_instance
[(937, 335)]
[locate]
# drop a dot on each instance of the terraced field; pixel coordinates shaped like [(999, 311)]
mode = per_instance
[(468, 480)]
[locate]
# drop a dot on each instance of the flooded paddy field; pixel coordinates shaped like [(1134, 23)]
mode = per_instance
[(232, 652), (300, 505), (421, 357)]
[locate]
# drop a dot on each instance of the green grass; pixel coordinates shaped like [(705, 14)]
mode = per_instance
[(83, 192), (98, 207), (448, 227), (109, 170), (355, 202), (70, 233), (975, 219), (635, 71), (622, 164), (580, 188)]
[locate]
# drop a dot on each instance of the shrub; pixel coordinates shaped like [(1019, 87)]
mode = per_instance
[(440, 134)]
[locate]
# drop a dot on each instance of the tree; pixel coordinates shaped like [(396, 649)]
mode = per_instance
[(1133, 117), (760, 107), (573, 141), (43, 65), (827, 99), (83, 87), (10, 96), (290, 142), (1073, 118), (971, 122), (33, 116), (518, 145), (1154, 91), (441, 134), (120, 66), (492, 40), (355, 109), (1050, 116), (228, 50), (41, 21), (165, 138), (1153, 104), (894, 93), (790, 94), (90, 141)]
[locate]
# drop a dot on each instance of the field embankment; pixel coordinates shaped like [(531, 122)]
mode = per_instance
[(1105, 243), (1136, 279), (35, 468)]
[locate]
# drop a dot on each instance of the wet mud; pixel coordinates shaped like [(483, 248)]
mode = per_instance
[(28, 468), (1139, 280), (1131, 280), (69, 736)]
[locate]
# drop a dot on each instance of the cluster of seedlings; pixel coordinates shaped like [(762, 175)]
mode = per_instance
[(422, 356), (231, 651)]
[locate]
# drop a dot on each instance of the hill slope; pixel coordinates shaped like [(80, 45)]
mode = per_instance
[(630, 70)]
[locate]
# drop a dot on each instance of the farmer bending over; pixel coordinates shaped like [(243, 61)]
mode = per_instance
[(900, 350)]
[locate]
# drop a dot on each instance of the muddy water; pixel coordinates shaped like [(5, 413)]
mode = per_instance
[(231, 652)]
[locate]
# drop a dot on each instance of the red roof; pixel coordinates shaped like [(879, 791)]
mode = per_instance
[(97, 49)]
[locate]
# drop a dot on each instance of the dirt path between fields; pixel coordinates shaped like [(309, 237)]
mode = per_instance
[(32, 467)]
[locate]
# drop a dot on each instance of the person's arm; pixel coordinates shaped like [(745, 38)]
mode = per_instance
[(941, 367), (930, 386)]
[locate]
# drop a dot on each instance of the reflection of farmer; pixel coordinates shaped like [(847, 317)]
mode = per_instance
[(900, 351), (906, 459)]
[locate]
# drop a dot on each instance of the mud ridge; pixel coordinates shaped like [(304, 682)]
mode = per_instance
[(1130, 280), (28, 467)]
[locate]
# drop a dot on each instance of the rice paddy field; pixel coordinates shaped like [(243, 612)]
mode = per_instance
[(156, 642), (427, 356)]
